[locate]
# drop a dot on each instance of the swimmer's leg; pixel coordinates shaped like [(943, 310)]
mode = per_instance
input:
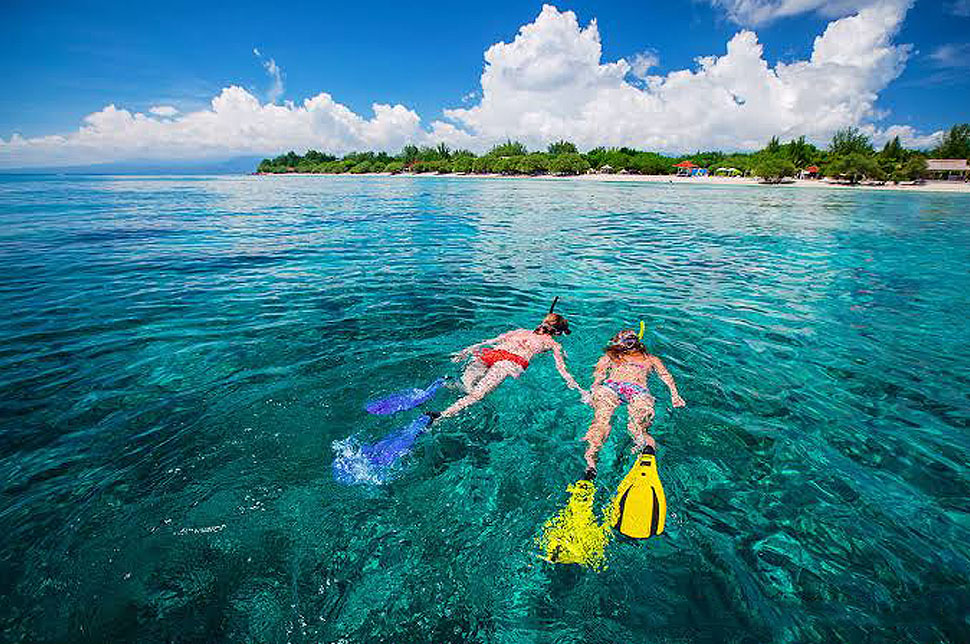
[(641, 418), (474, 372), (605, 403), (492, 379)]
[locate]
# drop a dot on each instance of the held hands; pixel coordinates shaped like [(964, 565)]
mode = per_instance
[(585, 397), (461, 355), (677, 401)]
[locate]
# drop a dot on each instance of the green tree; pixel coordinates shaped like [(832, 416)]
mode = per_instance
[(850, 140), (463, 164), (651, 163), (483, 165), (394, 167), (955, 143), (570, 163), (509, 149), (800, 152), (914, 169), (854, 168), (562, 147), (774, 146), (893, 150), (773, 168), (409, 154)]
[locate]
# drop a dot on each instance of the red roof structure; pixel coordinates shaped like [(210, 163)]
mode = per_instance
[(685, 164), (812, 168)]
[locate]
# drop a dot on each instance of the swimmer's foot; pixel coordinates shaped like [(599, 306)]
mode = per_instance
[(590, 474), (432, 416)]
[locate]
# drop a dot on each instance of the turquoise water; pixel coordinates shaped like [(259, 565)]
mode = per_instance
[(177, 356)]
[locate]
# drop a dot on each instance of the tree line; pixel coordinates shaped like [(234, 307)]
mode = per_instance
[(850, 156)]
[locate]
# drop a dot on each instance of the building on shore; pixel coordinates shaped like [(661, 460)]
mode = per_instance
[(947, 169)]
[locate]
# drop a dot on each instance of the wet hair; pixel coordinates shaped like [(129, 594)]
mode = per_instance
[(626, 342), (554, 324)]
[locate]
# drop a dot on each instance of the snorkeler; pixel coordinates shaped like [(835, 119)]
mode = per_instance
[(628, 365), (509, 355)]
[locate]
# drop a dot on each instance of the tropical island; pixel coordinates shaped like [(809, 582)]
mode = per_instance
[(849, 158)]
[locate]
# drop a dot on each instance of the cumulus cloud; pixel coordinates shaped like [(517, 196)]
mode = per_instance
[(235, 122), (759, 12), (642, 63), (549, 82), (275, 74), (163, 110)]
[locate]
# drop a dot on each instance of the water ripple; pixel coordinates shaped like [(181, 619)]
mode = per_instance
[(179, 355)]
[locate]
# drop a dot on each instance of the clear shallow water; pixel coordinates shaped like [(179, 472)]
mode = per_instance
[(178, 354)]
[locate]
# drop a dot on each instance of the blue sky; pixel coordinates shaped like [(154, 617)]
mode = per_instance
[(62, 63)]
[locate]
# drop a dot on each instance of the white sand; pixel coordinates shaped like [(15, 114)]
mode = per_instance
[(929, 186)]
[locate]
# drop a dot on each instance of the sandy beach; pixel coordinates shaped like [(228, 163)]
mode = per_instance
[(929, 186)]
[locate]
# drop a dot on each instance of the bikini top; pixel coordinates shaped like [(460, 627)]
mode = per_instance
[(614, 364)]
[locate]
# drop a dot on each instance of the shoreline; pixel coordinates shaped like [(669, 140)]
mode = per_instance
[(930, 186)]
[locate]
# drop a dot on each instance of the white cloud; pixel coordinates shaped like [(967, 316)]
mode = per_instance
[(642, 63), (235, 123), (275, 76), (549, 82), (953, 56), (163, 110), (961, 8), (759, 12), (908, 136)]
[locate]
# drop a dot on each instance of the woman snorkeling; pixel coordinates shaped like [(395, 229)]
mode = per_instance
[(621, 376), (509, 354)]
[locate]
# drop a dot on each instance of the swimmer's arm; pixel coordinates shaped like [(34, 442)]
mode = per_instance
[(668, 379), (561, 367), (599, 372)]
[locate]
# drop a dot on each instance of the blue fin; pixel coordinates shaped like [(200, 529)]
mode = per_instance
[(404, 400)]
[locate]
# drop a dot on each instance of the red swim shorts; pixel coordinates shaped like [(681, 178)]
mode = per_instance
[(491, 356)]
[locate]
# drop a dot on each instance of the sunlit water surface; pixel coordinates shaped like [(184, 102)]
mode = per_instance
[(177, 356)]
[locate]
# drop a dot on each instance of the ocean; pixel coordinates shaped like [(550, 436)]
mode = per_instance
[(179, 355)]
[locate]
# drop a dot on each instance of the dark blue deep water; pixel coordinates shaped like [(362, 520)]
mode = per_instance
[(177, 356)]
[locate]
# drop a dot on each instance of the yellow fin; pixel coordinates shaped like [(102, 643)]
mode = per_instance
[(573, 535), (639, 510)]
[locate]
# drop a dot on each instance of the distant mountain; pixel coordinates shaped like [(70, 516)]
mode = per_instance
[(237, 165)]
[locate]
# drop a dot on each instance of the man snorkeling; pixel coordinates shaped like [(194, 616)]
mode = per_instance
[(508, 355), (628, 365)]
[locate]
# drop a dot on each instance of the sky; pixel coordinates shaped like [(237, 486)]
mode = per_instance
[(95, 82)]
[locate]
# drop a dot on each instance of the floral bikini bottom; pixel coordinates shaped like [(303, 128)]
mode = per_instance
[(627, 391)]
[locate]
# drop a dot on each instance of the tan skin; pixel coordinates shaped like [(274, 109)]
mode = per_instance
[(479, 380), (634, 367)]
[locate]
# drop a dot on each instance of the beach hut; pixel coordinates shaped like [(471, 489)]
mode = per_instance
[(948, 169), (606, 169), (811, 172), (727, 172), (684, 168)]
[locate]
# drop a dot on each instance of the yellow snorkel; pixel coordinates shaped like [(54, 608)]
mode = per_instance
[(642, 329)]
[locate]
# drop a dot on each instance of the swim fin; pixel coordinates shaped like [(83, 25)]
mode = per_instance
[(640, 507), (404, 400), (573, 536)]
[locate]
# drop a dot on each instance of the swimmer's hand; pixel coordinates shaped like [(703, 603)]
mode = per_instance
[(586, 398), (677, 401), (461, 355)]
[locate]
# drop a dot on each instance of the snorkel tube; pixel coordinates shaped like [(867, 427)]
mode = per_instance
[(553, 323)]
